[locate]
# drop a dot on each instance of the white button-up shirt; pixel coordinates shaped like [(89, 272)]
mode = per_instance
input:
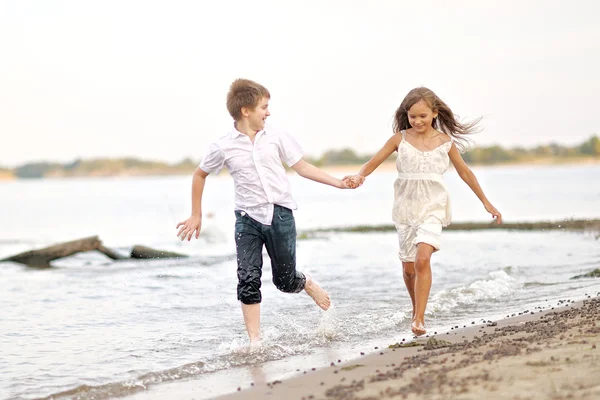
[(258, 174)]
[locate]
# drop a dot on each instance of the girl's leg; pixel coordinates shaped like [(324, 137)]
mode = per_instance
[(422, 286), (408, 269)]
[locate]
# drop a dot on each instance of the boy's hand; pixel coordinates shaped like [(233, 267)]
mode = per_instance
[(189, 227), (343, 184), (492, 210), (353, 181)]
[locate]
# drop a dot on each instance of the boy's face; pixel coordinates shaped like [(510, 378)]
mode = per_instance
[(258, 116)]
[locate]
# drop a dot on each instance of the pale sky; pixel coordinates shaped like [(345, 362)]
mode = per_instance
[(83, 79)]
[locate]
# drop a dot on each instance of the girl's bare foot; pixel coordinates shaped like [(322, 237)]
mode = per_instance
[(317, 293), (418, 328), (255, 345)]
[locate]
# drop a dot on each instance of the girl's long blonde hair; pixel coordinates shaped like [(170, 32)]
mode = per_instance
[(445, 122)]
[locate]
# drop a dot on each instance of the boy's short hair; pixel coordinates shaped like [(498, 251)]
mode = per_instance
[(244, 93)]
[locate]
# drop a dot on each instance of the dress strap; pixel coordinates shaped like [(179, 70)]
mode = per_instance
[(403, 132)]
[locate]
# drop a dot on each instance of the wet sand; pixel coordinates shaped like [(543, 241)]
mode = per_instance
[(540, 354)]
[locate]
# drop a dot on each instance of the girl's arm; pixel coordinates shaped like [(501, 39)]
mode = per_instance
[(469, 178), (388, 148)]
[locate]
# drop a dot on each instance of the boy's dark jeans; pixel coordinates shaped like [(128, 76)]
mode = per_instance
[(280, 240)]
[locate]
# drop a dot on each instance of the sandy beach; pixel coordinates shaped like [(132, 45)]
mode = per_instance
[(540, 354)]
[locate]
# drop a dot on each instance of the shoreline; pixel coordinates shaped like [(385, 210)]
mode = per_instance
[(332, 169), (504, 358)]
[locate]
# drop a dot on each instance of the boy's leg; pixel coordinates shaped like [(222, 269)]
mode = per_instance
[(280, 240), (251, 314), (249, 243), (317, 293)]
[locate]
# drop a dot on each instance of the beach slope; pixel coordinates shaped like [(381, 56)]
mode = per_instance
[(540, 354)]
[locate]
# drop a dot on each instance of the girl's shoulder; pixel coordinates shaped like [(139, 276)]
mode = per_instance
[(401, 135), (445, 142), (397, 136), (444, 138)]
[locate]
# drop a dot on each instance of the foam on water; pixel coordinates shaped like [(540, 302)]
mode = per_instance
[(496, 287)]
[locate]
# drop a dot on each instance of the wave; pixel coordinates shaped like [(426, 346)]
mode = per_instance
[(495, 287), (284, 338)]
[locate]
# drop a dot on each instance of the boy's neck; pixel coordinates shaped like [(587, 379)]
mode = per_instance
[(242, 126)]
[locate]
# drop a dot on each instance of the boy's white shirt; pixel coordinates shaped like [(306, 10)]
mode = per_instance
[(259, 177)]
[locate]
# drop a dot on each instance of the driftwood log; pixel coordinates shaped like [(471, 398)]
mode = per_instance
[(41, 258), (143, 252)]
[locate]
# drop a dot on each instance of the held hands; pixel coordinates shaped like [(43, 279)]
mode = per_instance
[(189, 227), (492, 210), (353, 181)]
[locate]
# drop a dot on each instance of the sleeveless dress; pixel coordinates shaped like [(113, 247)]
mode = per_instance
[(421, 201)]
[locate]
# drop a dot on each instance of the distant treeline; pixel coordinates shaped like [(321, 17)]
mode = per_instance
[(135, 167), (487, 155), (103, 167)]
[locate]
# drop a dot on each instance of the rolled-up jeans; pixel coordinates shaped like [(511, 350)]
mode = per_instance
[(280, 240)]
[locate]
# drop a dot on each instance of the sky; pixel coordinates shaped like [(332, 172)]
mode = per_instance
[(148, 79)]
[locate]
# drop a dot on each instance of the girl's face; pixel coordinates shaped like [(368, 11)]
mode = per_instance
[(420, 117)]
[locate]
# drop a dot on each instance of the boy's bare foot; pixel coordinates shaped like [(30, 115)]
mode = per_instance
[(417, 328), (317, 293)]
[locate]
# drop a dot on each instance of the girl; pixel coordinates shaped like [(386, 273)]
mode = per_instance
[(427, 137)]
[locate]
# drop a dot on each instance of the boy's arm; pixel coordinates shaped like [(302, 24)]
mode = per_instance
[(309, 171), (194, 223), (469, 178)]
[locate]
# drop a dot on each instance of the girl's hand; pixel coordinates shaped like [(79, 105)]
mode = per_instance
[(492, 210), (353, 181)]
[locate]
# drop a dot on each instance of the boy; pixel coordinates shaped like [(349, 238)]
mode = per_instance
[(263, 202)]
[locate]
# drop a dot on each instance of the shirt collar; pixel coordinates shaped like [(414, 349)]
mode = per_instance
[(235, 133)]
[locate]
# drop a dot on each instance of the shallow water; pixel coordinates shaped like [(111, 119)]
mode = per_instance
[(94, 328)]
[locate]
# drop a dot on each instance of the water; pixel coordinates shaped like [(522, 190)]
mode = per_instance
[(95, 328)]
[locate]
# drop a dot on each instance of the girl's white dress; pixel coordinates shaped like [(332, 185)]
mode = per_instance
[(421, 201)]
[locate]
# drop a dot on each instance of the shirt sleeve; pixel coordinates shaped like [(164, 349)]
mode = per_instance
[(213, 160), (289, 149)]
